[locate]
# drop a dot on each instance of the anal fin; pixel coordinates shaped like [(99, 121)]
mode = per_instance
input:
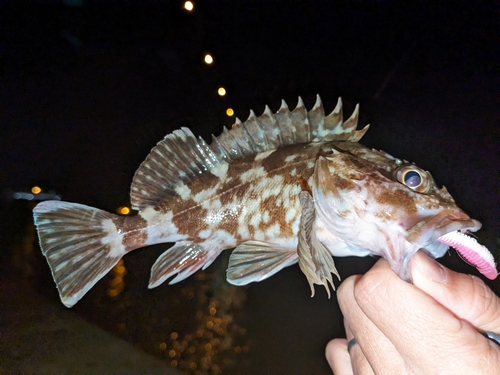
[(315, 260), (183, 259), (255, 261)]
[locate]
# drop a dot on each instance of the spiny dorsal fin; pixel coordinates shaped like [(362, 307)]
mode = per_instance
[(180, 157), (270, 131)]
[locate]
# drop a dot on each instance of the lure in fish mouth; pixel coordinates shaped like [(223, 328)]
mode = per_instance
[(285, 187)]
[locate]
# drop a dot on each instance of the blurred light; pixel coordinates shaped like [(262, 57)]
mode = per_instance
[(36, 195), (189, 6), (117, 284), (123, 210), (208, 59), (229, 112), (120, 269), (221, 91)]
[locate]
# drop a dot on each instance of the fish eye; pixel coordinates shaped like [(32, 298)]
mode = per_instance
[(413, 177)]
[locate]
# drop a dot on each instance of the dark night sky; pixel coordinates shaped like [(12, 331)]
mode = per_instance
[(86, 91)]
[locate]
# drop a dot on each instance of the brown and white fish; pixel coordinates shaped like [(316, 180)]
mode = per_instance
[(281, 188)]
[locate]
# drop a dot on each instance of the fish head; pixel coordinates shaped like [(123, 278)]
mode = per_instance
[(374, 203)]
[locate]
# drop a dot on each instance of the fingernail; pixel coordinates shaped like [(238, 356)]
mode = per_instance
[(428, 267)]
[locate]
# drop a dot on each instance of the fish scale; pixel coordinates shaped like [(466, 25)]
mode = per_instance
[(283, 188)]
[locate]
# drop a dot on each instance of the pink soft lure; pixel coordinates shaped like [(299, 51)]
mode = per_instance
[(472, 251)]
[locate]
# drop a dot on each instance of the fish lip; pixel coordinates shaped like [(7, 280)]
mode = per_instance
[(451, 224), (441, 224)]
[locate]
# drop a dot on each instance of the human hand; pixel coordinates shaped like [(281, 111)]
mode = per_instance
[(428, 327)]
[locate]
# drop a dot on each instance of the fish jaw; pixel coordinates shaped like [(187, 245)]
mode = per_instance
[(451, 230), (428, 235), (428, 230)]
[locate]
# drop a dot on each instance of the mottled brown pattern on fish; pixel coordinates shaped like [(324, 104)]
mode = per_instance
[(384, 215), (339, 176), (242, 203), (437, 200), (278, 209), (342, 183), (133, 229), (304, 185), (324, 152), (278, 159), (360, 165), (398, 198)]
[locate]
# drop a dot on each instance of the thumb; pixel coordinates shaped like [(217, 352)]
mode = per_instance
[(466, 296)]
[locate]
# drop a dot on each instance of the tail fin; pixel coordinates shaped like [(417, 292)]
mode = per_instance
[(81, 244)]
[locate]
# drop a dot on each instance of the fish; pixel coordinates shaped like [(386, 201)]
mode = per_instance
[(294, 186)]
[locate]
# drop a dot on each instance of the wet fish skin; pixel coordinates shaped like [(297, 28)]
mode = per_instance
[(295, 186)]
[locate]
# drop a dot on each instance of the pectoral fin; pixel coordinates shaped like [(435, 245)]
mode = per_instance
[(255, 261), (314, 258)]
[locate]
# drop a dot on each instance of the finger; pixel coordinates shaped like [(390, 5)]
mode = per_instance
[(419, 327), (374, 353), (338, 358), (359, 363), (466, 296)]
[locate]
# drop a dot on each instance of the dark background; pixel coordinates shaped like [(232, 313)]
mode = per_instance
[(88, 88)]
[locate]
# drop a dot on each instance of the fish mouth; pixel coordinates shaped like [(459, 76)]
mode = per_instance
[(431, 228), (453, 231), (451, 228), (453, 223)]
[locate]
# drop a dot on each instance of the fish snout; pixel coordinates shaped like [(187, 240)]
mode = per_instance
[(456, 221)]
